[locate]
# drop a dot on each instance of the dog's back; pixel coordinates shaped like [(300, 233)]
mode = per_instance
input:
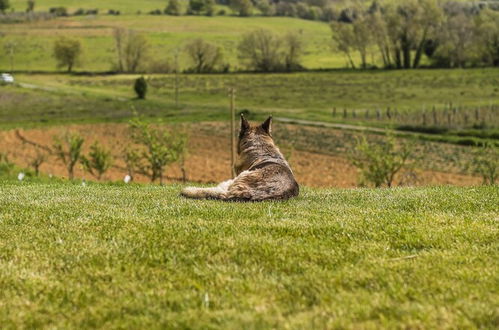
[(263, 173)]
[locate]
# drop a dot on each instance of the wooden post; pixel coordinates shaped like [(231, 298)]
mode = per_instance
[(176, 78), (232, 94)]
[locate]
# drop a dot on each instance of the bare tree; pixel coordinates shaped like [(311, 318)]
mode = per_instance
[(68, 150), (204, 55), (261, 50), (131, 50), (342, 36), (293, 51)]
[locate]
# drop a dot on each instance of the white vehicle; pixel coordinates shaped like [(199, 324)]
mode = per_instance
[(6, 78)]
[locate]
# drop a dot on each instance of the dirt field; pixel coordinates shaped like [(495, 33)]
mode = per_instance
[(208, 159)]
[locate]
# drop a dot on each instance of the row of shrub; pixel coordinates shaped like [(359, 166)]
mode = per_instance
[(259, 50), (148, 151), (62, 12)]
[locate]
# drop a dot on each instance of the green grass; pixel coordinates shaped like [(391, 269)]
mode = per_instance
[(310, 96), (137, 256), (125, 6), (165, 34)]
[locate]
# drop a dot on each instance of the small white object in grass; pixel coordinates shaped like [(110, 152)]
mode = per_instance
[(21, 176), (83, 183), (50, 175), (127, 178), (206, 300)]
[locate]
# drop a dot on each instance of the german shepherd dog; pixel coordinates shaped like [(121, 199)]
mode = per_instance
[(262, 172)]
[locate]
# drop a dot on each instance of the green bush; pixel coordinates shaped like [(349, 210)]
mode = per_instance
[(140, 88), (68, 149), (486, 163), (380, 162), (99, 160), (158, 148)]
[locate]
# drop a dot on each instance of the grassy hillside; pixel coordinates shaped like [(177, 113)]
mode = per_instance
[(165, 34), (309, 96), (119, 256), (125, 6)]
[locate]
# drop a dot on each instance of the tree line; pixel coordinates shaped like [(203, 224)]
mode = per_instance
[(450, 34), (259, 50)]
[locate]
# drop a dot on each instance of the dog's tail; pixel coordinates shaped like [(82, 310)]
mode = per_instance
[(218, 192)]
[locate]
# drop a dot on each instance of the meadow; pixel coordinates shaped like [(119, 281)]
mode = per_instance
[(119, 256), (166, 34), (311, 95), (125, 6)]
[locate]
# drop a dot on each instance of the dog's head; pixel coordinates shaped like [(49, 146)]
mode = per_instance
[(260, 135)]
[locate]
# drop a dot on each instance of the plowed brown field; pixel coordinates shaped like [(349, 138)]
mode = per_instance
[(208, 159)]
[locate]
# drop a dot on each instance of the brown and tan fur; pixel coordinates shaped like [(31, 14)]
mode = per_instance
[(262, 172)]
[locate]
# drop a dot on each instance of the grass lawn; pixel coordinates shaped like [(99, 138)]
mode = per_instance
[(134, 256)]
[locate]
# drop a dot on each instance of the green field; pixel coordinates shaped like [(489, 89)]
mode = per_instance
[(119, 256), (125, 6), (34, 41), (310, 96)]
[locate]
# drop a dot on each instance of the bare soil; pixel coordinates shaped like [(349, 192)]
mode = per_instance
[(208, 159)]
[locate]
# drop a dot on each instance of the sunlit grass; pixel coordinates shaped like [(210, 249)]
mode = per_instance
[(119, 256)]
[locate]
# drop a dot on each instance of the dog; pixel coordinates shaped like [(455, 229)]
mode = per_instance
[(262, 172)]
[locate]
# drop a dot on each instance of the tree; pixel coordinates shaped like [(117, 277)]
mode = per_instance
[(68, 149), (456, 41), (37, 161), (486, 163), (243, 8), (131, 50), (342, 36), (487, 36), (159, 148), (266, 8), (409, 25), (67, 52), (209, 7), (204, 55), (31, 6), (361, 40), (132, 161), (261, 49), (140, 88), (195, 7), (380, 162), (6, 166), (173, 8), (98, 161), (4, 5), (293, 50)]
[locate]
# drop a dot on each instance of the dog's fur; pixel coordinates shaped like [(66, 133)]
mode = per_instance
[(262, 172)]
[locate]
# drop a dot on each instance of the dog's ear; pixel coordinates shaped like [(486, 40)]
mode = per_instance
[(267, 125), (244, 125)]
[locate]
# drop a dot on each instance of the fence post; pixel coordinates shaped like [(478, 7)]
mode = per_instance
[(176, 78), (232, 93)]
